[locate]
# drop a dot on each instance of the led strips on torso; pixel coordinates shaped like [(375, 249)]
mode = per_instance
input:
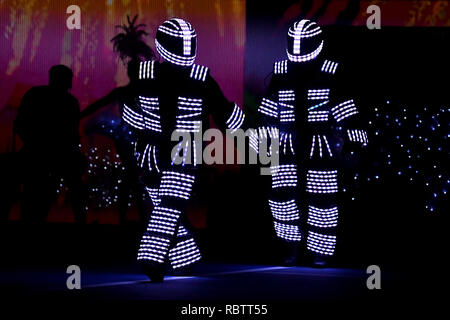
[(318, 147)]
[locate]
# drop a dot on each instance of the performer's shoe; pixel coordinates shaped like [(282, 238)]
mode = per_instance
[(154, 271), (320, 261), (291, 255), (185, 271)]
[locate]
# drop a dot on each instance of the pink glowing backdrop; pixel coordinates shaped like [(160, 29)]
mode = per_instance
[(34, 36)]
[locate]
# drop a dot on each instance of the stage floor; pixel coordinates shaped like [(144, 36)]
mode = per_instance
[(211, 282)]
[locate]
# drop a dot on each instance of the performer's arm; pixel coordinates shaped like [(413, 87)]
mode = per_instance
[(110, 98), (346, 115)]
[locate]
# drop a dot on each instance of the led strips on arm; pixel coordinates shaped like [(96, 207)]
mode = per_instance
[(269, 108), (357, 135), (236, 119), (344, 110)]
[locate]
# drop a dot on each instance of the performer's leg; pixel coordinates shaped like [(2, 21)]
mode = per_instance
[(283, 202), (174, 191), (185, 251), (322, 221)]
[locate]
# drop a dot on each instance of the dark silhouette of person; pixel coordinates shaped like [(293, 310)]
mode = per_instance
[(124, 143), (47, 123)]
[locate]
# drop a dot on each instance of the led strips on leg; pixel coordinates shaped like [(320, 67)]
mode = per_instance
[(322, 218), (153, 248), (321, 243), (154, 195), (176, 184), (324, 181), (284, 176), (287, 232), (284, 211), (184, 253)]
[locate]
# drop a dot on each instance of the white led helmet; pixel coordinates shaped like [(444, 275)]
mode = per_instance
[(304, 41), (176, 42)]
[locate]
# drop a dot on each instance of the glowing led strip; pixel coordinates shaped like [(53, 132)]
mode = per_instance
[(236, 119), (344, 110), (321, 243), (316, 116), (280, 67), (357, 135), (153, 248), (287, 232), (321, 181), (189, 108), (323, 218), (173, 58), (177, 33), (318, 94), (287, 115), (284, 176), (154, 195), (187, 36), (306, 57), (133, 118), (269, 108), (329, 66), (199, 72), (284, 211), (146, 70), (286, 95), (176, 185)]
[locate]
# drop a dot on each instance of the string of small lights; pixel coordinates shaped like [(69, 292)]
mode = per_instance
[(412, 146)]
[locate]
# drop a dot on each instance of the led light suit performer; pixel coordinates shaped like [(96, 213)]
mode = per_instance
[(307, 109), (174, 96)]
